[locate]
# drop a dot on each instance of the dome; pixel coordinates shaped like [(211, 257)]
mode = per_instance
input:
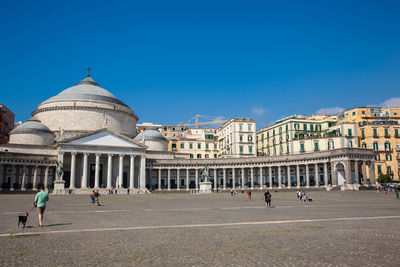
[(32, 132), (86, 90), (153, 139), (150, 135), (33, 125)]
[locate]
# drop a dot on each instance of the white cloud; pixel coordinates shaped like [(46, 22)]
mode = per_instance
[(329, 111), (393, 102), (258, 111)]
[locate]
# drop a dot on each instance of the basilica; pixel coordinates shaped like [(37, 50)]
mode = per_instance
[(93, 136)]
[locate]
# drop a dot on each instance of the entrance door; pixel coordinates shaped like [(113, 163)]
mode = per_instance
[(93, 174)]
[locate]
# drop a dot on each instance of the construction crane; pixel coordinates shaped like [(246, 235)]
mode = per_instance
[(197, 123)]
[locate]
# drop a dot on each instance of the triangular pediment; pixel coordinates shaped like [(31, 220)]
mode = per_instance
[(106, 139)]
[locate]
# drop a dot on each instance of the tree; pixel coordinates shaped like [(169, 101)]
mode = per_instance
[(384, 178)]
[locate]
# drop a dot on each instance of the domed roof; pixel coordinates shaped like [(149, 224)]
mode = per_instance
[(87, 90), (150, 135), (33, 125)]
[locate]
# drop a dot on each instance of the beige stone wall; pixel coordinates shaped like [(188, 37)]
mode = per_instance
[(75, 119), (32, 139), (156, 145)]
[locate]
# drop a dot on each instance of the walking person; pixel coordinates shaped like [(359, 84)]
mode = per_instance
[(40, 202), (248, 195), (267, 196), (92, 199), (127, 190), (396, 191), (96, 197)]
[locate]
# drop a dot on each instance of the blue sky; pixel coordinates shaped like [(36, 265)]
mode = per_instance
[(169, 60)]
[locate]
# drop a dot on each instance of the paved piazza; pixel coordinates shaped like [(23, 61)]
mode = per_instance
[(338, 228)]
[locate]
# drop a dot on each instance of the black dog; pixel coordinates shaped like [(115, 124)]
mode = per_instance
[(22, 219)]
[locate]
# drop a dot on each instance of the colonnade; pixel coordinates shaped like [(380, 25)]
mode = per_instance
[(109, 177), (25, 176), (275, 176)]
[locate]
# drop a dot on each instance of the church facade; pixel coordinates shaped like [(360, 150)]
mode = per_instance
[(93, 135)]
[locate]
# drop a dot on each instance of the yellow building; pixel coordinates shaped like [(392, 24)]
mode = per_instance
[(379, 130)]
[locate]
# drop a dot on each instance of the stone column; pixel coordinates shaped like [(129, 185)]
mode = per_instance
[(215, 179), (364, 172), (197, 179), (334, 173), (298, 176), (73, 167), (261, 178), (132, 172), (372, 178), (252, 178), (97, 172), (307, 176), (326, 180), (142, 172), (178, 178), (242, 178), (169, 179), (316, 175), (270, 176), (46, 177), (109, 171), (85, 170), (2, 176), (187, 179), (288, 177), (279, 178), (224, 177), (121, 171), (356, 174), (23, 178), (34, 183), (159, 179), (347, 166), (233, 178)]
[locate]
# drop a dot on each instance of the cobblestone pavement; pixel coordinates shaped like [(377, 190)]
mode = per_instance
[(337, 229)]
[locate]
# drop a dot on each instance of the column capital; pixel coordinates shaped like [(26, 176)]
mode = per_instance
[(121, 155), (86, 154), (74, 153), (98, 154), (132, 156)]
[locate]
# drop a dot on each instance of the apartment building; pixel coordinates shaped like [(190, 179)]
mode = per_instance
[(379, 130), (237, 138), (304, 134), (6, 123)]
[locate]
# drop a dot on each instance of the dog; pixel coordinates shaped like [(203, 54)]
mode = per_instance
[(22, 220)]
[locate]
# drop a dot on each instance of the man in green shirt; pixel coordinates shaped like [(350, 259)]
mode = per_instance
[(40, 201)]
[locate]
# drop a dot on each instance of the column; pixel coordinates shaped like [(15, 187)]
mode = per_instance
[(85, 170), (347, 166), (224, 177), (109, 171), (279, 178), (298, 176), (372, 178), (316, 175), (187, 179), (242, 178), (73, 167), (120, 171), (334, 173), (178, 178), (132, 172), (288, 177), (270, 176), (97, 172), (356, 174), (159, 179), (364, 172), (326, 174), (197, 179), (1, 176), (23, 181), (261, 178), (215, 179), (233, 178), (34, 183), (307, 176), (252, 178), (169, 179), (142, 172), (46, 177)]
